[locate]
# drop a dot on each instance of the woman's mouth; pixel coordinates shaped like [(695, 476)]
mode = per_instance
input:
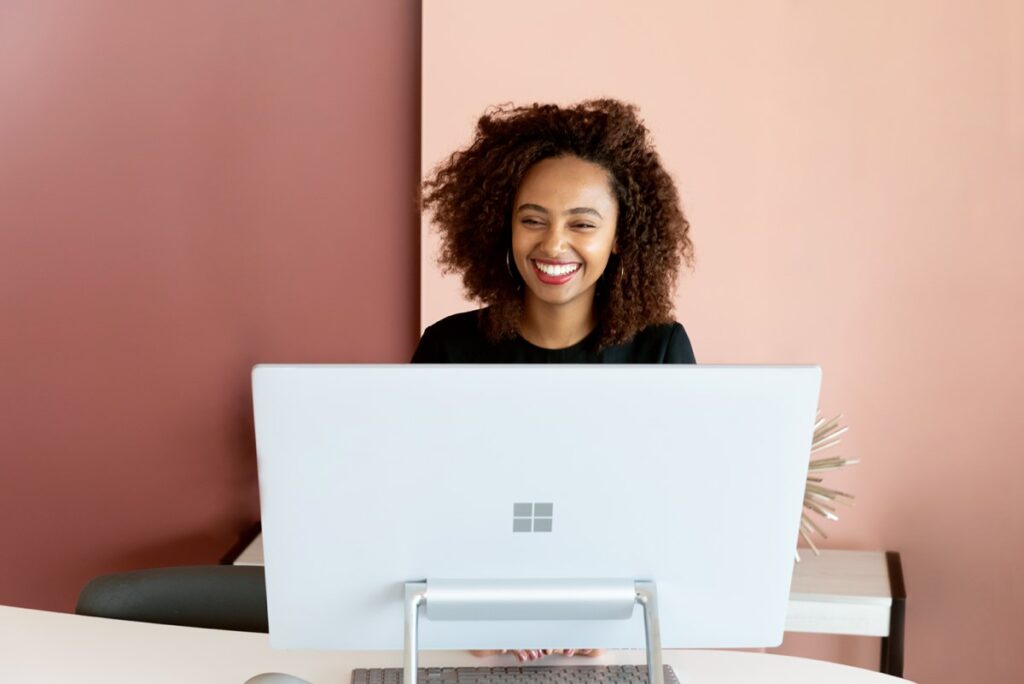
[(552, 273)]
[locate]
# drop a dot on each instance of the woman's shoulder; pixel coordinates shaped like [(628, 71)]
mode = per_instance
[(465, 322), (662, 343), (662, 329), (452, 339)]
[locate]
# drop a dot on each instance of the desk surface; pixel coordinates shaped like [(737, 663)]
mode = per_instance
[(43, 646)]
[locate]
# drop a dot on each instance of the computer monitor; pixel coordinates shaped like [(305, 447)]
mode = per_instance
[(372, 476)]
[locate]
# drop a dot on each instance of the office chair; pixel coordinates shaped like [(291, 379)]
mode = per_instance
[(211, 596)]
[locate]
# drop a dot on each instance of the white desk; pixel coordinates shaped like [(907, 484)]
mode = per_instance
[(39, 646), (838, 592)]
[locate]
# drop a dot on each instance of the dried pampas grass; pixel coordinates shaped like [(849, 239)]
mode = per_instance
[(819, 499)]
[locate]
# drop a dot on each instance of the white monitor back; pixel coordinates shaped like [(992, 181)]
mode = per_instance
[(375, 475)]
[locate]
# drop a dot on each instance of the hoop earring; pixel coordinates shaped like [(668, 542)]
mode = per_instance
[(508, 267), (618, 273)]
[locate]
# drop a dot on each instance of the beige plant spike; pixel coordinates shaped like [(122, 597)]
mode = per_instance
[(819, 499)]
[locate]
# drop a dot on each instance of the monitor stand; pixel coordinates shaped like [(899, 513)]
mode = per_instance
[(556, 599)]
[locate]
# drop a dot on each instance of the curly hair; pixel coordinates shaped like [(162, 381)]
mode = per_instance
[(471, 195)]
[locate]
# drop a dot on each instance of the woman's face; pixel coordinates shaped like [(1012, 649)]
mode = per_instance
[(563, 229)]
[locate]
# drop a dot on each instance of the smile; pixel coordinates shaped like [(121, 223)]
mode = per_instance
[(554, 274), (556, 269)]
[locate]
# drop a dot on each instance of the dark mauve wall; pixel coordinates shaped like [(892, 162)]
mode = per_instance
[(186, 189)]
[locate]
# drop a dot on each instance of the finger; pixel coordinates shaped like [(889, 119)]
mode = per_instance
[(569, 652)]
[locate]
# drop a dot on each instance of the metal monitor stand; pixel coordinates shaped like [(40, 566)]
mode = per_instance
[(531, 599)]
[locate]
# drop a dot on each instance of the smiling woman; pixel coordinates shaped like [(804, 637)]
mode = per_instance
[(565, 225)]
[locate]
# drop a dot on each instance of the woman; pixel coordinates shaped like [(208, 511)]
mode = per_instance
[(563, 222)]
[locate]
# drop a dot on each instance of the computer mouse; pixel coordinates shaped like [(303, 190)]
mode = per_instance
[(275, 678)]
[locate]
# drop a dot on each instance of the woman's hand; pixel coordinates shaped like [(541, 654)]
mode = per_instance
[(538, 653)]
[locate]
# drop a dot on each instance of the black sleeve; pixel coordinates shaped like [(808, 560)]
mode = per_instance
[(429, 348), (679, 349)]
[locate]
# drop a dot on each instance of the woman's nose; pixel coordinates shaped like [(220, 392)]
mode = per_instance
[(554, 241)]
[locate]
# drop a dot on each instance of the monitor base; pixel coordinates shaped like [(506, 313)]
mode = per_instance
[(536, 599)]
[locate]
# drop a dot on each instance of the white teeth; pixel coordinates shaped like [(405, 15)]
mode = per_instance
[(553, 270)]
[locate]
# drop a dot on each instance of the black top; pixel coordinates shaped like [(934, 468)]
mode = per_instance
[(461, 339)]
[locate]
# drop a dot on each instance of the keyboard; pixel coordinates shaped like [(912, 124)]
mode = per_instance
[(583, 674)]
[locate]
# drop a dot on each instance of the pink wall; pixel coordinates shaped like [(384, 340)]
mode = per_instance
[(853, 174), (186, 188)]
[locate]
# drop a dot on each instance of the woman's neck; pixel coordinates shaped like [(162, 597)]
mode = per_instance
[(556, 326)]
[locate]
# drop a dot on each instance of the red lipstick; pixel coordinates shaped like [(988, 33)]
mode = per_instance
[(551, 279)]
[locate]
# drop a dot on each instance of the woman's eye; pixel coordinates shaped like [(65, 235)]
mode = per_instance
[(583, 225), (531, 222)]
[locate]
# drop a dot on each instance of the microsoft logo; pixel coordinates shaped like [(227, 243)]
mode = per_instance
[(532, 517)]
